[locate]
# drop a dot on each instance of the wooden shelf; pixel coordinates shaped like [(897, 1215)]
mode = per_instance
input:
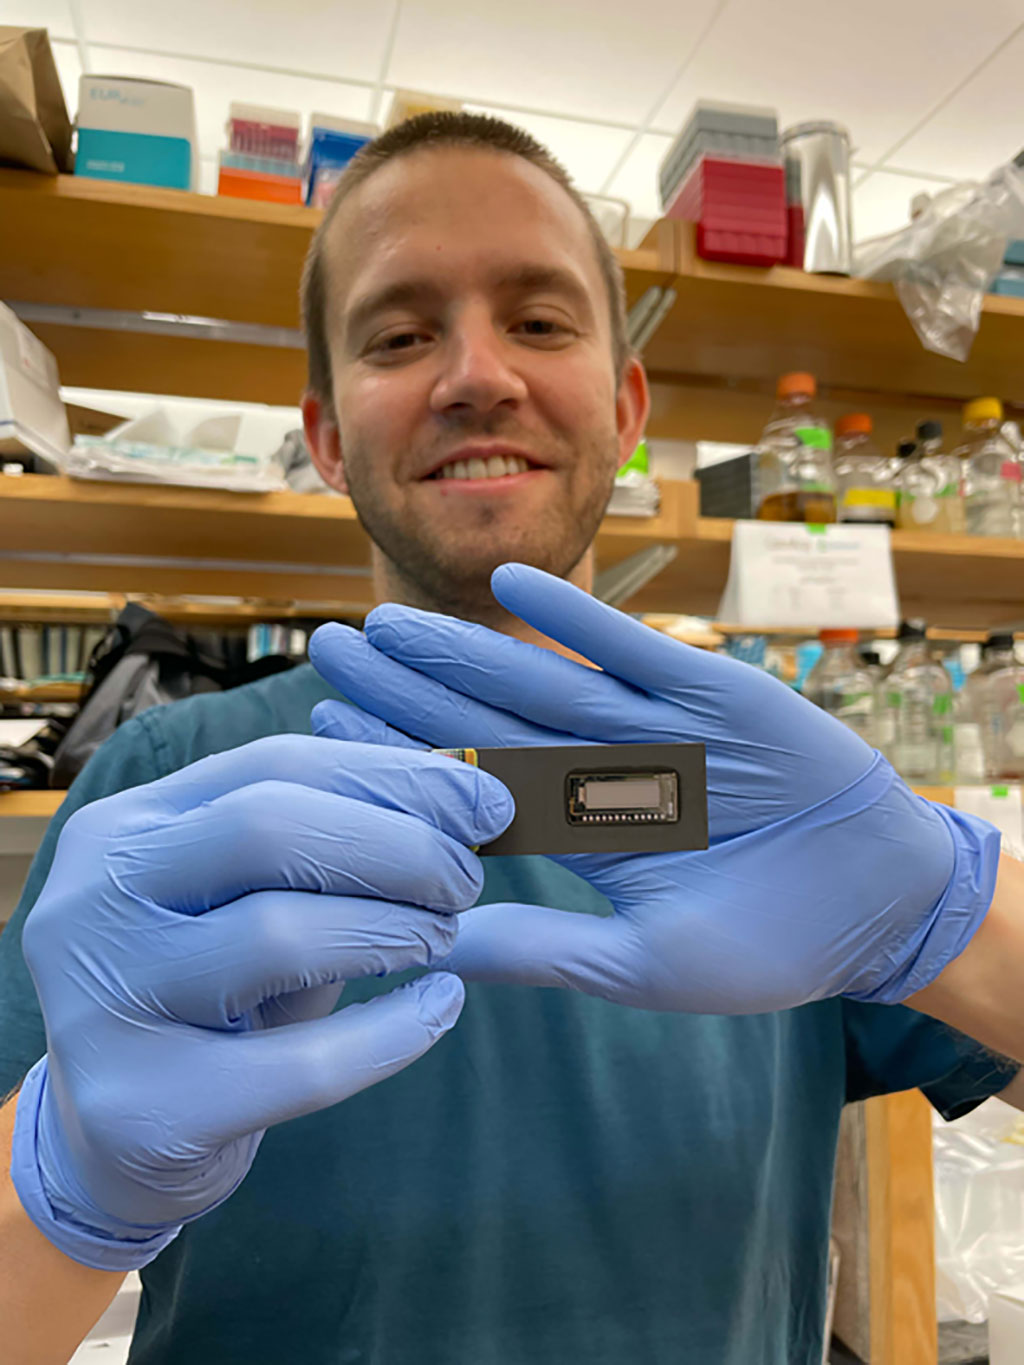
[(294, 548), (143, 249), (42, 691), (748, 324), (30, 805)]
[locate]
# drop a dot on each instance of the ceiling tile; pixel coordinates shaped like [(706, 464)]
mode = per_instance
[(321, 36), (874, 66), (980, 128), (881, 202), (587, 152), (216, 85), (637, 182), (54, 15), (593, 58)]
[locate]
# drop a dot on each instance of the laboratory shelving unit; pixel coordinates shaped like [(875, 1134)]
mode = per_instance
[(161, 291)]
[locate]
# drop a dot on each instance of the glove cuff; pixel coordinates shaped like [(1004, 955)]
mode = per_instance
[(955, 917), (81, 1242)]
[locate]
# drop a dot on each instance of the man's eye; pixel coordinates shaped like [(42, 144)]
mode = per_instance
[(541, 327), (402, 341)]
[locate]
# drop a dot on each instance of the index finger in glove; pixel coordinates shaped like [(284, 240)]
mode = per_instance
[(280, 836), (544, 688), (412, 701), (467, 804)]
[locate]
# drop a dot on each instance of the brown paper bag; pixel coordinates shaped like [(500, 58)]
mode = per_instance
[(35, 130)]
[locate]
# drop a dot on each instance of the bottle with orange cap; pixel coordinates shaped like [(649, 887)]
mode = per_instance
[(841, 684), (794, 458), (864, 476), (992, 472)]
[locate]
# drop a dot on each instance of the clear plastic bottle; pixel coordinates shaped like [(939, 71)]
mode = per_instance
[(917, 490), (997, 704), (919, 710), (841, 685), (991, 472), (864, 476), (948, 470), (794, 470), (806, 490)]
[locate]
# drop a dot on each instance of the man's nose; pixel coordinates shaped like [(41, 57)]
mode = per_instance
[(478, 373)]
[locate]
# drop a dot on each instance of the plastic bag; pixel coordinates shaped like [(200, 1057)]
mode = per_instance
[(944, 262), (979, 1209)]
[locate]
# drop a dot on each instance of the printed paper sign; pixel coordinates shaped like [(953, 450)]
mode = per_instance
[(809, 577), (1000, 805)]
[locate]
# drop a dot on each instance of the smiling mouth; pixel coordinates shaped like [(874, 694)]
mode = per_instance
[(494, 467)]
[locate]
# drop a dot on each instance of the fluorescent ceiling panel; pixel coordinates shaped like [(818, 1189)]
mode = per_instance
[(593, 58), (875, 66), (321, 37), (216, 86)]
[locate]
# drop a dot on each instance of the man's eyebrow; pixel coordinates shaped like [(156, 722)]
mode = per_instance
[(520, 280)]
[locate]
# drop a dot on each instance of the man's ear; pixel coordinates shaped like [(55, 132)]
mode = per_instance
[(632, 405), (324, 440)]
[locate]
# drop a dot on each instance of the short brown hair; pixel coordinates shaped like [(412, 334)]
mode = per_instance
[(444, 129)]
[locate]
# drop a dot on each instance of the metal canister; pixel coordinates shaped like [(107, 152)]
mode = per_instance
[(817, 158)]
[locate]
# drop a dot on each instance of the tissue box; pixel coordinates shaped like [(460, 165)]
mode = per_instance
[(32, 416), (1006, 1327), (139, 131)]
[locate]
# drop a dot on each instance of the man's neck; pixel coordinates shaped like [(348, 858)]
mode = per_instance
[(389, 587)]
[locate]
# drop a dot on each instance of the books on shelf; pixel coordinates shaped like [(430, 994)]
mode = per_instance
[(30, 652)]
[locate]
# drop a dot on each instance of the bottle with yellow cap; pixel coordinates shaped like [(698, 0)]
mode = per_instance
[(992, 472)]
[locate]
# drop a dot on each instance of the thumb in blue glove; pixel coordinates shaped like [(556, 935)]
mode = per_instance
[(826, 875)]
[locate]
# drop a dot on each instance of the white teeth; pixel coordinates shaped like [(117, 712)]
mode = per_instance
[(494, 467)]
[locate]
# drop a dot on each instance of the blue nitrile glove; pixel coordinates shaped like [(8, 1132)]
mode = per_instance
[(826, 875), (189, 945)]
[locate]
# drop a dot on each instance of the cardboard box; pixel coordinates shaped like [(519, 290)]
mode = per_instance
[(32, 416), (139, 131)]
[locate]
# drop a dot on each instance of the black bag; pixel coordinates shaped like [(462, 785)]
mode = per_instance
[(144, 661)]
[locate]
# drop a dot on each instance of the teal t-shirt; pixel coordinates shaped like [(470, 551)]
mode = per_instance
[(559, 1181)]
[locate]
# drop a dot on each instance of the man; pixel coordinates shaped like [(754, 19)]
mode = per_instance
[(560, 1180)]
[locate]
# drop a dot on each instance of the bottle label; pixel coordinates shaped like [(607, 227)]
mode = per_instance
[(942, 704), (923, 509), (870, 497)]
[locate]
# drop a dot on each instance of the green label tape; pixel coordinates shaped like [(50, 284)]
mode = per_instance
[(1000, 791)]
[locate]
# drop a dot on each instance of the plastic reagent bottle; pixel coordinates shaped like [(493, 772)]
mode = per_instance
[(991, 472), (780, 495), (948, 469), (842, 685), (917, 490), (807, 491), (864, 477), (997, 705), (919, 706)]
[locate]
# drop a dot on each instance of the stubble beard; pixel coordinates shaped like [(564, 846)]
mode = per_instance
[(446, 567)]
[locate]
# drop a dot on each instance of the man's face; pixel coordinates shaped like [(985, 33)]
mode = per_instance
[(478, 418)]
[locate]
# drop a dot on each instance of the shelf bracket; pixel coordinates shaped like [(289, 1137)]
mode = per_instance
[(647, 315), (621, 581)]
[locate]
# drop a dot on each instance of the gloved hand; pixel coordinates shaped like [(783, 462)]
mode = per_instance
[(826, 874), (188, 947)]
